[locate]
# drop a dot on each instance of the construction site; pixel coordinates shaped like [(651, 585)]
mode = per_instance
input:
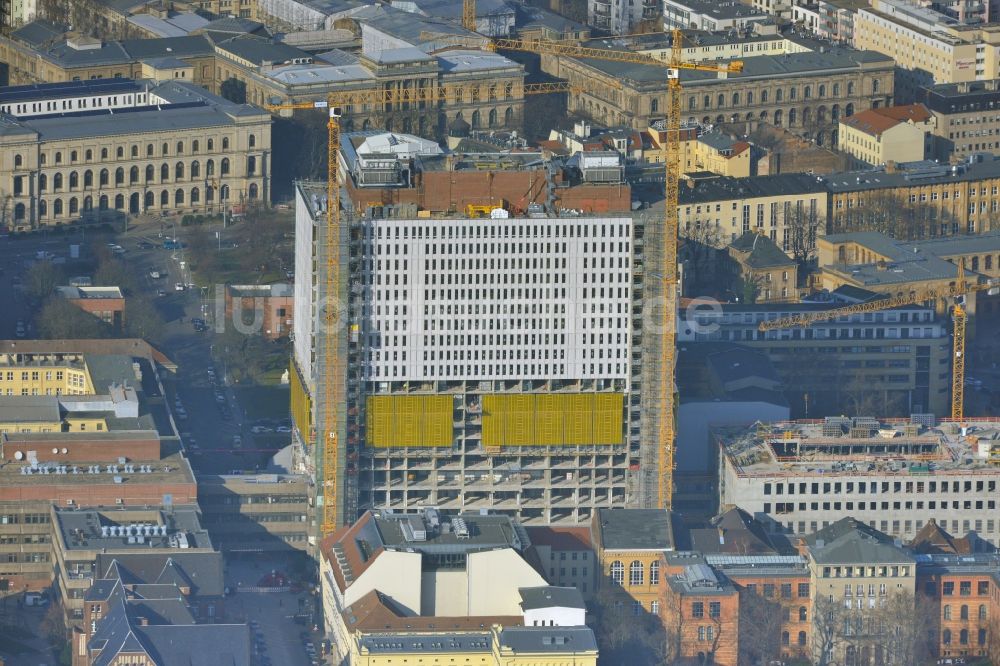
[(893, 474), (492, 362)]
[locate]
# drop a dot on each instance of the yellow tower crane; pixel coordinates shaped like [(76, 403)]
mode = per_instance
[(672, 164), (956, 291), (469, 15)]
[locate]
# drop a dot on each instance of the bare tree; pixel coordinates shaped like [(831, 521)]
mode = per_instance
[(760, 629), (59, 319), (906, 630), (625, 637), (826, 630), (43, 278)]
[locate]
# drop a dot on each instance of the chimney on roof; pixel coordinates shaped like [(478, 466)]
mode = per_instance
[(891, 167)]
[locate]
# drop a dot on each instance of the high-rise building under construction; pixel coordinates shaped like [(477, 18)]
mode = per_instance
[(487, 362)]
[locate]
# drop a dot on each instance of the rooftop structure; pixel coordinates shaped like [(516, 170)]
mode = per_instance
[(432, 571), (801, 476), (154, 625), (634, 530)]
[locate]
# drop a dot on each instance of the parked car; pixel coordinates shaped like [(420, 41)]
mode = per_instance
[(179, 286)]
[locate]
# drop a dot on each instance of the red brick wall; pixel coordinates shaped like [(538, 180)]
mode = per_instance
[(945, 611), (787, 607), (274, 325)]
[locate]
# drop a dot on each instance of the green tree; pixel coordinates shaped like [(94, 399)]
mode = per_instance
[(43, 278), (234, 90)]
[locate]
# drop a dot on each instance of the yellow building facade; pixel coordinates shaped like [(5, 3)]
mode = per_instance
[(902, 142), (710, 151)]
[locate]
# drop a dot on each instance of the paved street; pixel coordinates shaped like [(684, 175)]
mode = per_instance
[(271, 615)]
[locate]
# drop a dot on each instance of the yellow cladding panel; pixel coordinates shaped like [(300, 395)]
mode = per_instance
[(301, 403), (409, 420), (552, 419)]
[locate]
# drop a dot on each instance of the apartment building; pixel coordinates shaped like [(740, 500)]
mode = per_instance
[(177, 148), (959, 593), (787, 208), (929, 47), (567, 556), (801, 477), (760, 263), (706, 149), (807, 92), (967, 118), (917, 200), (881, 573), (469, 381), (618, 18), (710, 16), (890, 134)]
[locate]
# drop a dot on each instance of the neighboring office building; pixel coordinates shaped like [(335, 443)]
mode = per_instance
[(897, 357), (762, 267), (772, 472), (72, 372), (789, 208), (967, 118), (918, 200), (711, 16), (631, 545), (84, 539), (807, 92), (105, 303), (179, 149), (269, 307), (256, 513), (890, 134), (427, 573), (876, 262), (540, 421)]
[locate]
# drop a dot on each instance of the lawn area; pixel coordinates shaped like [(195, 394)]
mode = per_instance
[(263, 402)]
